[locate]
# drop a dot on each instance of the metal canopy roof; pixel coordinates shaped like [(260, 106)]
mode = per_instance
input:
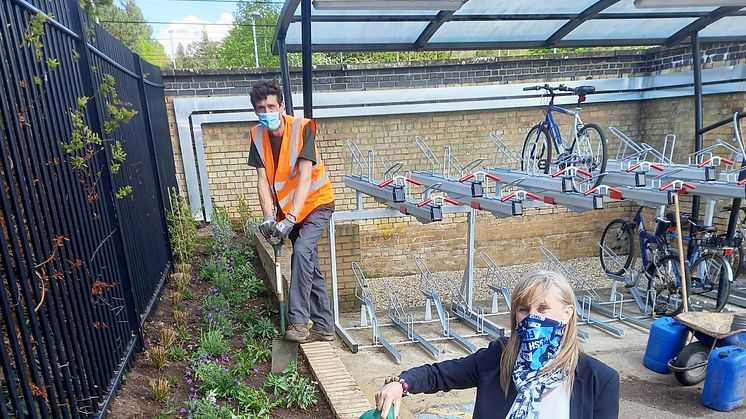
[(510, 24)]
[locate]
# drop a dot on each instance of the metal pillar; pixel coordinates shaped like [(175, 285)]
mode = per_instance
[(307, 64), (287, 90), (697, 70)]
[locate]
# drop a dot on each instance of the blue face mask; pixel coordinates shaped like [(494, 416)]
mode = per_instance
[(270, 120), (540, 340)]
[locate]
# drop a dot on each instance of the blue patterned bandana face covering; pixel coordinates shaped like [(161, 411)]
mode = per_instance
[(270, 120), (540, 340)]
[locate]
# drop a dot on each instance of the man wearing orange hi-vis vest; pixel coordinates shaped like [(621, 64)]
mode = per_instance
[(297, 201)]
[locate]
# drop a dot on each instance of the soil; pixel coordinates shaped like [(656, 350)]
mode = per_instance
[(133, 399)]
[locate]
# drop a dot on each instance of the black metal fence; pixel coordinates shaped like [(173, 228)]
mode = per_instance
[(80, 266)]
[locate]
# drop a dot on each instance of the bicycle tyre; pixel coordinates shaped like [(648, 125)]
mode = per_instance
[(692, 354), (617, 237), (668, 300), (599, 165), (537, 134), (709, 274)]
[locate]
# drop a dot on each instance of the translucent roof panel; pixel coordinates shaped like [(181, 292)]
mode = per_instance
[(500, 31), (510, 24), (359, 32), (628, 6), (619, 29), (727, 26), (496, 7)]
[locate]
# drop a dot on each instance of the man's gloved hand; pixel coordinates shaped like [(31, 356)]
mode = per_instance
[(267, 225), (282, 229)]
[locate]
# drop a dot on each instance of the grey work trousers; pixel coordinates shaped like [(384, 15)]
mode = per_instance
[(307, 298)]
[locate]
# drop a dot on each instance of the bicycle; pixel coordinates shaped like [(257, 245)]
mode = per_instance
[(708, 270), (588, 150), (660, 264), (737, 257)]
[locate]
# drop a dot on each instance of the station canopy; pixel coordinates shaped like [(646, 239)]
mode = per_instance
[(427, 25)]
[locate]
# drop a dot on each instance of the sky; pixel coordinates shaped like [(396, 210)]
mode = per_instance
[(187, 19)]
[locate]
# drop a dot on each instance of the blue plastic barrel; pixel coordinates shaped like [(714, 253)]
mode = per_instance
[(667, 338), (725, 382)]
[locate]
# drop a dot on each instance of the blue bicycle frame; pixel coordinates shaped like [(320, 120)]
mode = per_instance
[(551, 125), (644, 237)]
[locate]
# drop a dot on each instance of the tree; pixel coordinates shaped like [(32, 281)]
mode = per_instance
[(199, 54), (125, 21), (237, 49)]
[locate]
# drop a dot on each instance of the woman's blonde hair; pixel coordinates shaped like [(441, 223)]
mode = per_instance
[(531, 289)]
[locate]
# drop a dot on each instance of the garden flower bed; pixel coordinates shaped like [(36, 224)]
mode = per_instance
[(208, 345)]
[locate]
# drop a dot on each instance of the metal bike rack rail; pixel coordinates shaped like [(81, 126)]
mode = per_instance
[(368, 308)]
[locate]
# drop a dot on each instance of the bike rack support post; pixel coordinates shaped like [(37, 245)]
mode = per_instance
[(361, 293)]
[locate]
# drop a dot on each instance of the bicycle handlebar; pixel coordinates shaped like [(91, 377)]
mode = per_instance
[(550, 89)]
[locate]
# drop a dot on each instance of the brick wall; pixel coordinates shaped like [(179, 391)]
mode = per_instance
[(463, 72), (388, 247)]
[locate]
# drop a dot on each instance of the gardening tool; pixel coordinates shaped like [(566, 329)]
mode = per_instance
[(679, 242), (283, 351)]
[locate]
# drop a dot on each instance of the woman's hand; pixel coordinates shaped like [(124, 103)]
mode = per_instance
[(390, 394)]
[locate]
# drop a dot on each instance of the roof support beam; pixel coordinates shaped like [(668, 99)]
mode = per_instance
[(586, 14), (432, 27), (700, 24)]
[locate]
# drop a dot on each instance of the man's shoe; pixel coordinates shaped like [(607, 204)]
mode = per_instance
[(318, 334), (297, 332)]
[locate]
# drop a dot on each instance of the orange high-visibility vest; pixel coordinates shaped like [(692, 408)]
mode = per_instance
[(284, 178)]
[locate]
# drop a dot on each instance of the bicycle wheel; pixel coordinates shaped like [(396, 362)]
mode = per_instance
[(710, 283), (617, 247), (537, 151), (592, 151), (666, 281)]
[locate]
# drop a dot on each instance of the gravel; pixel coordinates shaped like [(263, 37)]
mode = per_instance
[(586, 270)]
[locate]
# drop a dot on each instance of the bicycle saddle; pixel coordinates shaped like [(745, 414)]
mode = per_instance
[(584, 90)]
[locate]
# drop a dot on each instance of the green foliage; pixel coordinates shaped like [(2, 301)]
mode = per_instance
[(247, 220), (207, 408), (152, 52), (76, 56), (212, 342), (237, 49), (262, 329), (182, 228), (178, 354), (216, 378), (256, 351), (221, 321), (250, 316), (254, 402), (124, 191), (291, 389), (215, 301), (33, 37), (199, 54), (126, 22), (211, 269), (52, 63), (118, 156), (222, 230)]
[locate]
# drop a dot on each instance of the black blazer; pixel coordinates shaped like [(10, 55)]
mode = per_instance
[(595, 393)]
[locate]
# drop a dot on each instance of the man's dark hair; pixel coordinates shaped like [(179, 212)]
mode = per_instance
[(261, 89)]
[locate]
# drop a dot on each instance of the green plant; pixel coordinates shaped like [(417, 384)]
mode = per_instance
[(207, 408), (168, 337), (211, 269), (212, 342), (184, 268), (247, 220), (222, 281), (178, 354), (255, 352), (34, 34), (250, 316), (254, 287), (173, 380), (216, 378), (254, 401), (276, 383), (188, 294), (262, 329), (176, 298), (222, 230), (158, 356), (166, 413), (182, 334), (300, 391), (159, 389), (215, 302), (182, 228), (221, 321)]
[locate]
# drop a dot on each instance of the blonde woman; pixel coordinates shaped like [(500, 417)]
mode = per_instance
[(539, 372)]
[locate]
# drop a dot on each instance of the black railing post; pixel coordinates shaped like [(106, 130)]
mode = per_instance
[(285, 72), (307, 59), (95, 120), (697, 72)]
